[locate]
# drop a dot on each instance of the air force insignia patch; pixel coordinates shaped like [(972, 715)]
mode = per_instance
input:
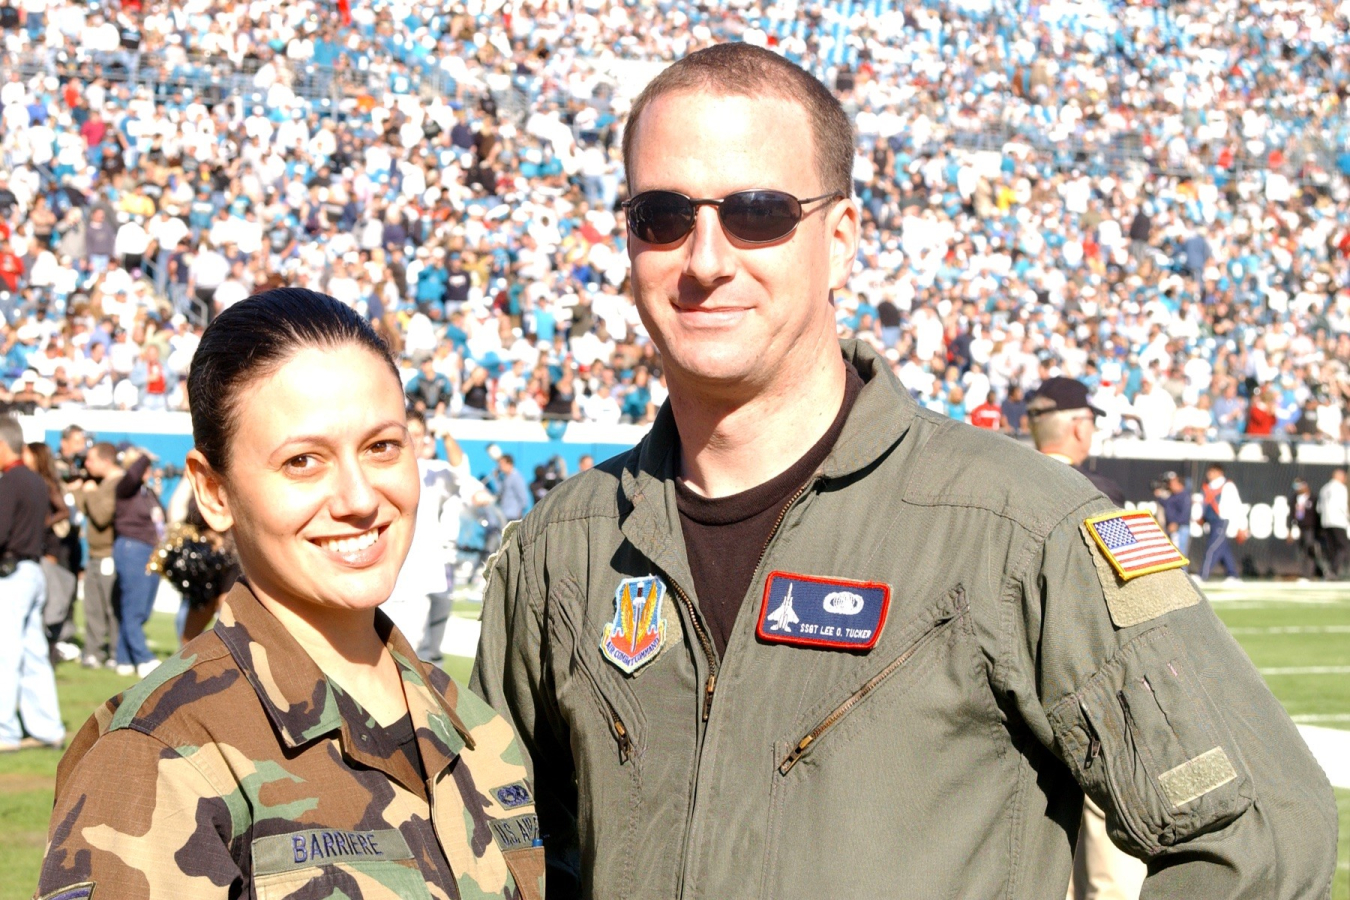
[(638, 631), (808, 611)]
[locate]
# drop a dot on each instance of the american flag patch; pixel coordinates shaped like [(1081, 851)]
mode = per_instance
[(1134, 544)]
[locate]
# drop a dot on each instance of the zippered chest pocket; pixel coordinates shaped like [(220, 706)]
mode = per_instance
[(585, 687), (1142, 738), (942, 620)]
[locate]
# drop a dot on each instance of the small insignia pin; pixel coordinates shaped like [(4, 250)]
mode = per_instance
[(638, 632)]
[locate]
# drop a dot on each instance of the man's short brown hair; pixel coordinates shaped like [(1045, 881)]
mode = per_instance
[(750, 71)]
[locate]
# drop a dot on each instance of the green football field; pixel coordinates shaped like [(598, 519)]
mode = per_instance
[(1297, 635)]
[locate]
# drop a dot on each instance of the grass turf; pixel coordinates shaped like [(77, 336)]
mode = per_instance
[(1294, 629)]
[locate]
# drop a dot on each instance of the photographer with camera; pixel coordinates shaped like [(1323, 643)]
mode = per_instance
[(138, 520), (27, 684)]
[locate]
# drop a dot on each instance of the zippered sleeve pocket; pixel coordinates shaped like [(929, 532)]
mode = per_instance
[(1143, 739)]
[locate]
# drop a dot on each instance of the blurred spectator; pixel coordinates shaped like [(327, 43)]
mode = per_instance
[(1334, 518), (454, 173), (513, 496)]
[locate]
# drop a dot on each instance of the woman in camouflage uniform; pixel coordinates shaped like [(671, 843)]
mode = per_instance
[(299, 748)]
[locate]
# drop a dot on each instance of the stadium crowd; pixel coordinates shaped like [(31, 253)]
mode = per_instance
[(1152, 198)]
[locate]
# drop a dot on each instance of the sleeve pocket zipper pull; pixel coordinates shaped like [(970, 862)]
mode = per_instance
[(1094, 742)]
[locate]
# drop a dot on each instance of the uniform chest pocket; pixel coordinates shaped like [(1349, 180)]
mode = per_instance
[(325, 862), (590, 681), (1143, 734)]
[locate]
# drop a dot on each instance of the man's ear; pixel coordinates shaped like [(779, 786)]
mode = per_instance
[(845, 227), (209, 488)]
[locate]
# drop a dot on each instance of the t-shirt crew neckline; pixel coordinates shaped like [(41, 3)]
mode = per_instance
[(724, 536)]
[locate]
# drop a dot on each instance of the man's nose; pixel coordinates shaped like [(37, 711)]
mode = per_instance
[(711, 256)]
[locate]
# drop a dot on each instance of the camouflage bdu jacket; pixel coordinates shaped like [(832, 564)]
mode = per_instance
[(237, 769), (948, 639)]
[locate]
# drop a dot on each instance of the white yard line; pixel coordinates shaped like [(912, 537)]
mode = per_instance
[(1294, 629), (1314, 718), (1306, 670), (1331, 746)]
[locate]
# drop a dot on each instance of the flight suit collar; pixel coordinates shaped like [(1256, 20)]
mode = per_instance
[(301, 702), (880, 417)]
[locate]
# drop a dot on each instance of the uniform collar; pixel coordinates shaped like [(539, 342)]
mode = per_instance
[(880, 417), (304, 706)]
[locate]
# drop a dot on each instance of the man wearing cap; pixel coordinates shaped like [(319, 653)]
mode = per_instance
[(1062, 425), (809, 640)]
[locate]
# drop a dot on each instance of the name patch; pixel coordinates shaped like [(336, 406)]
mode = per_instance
[(325, 846), (809, 611), (517, 832), (513, 795)]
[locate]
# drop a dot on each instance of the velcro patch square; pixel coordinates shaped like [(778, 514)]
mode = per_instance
[(810, 611), (1134, 544)]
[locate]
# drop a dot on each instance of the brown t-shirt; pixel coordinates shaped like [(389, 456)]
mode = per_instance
[(726, 536)]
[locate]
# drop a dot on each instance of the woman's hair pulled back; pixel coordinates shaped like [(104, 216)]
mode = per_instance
[(254, 338)]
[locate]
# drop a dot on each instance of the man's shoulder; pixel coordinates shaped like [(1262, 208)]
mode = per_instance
[(961, 465)]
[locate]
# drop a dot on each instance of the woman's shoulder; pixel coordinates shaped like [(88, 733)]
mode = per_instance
[(199, 683)]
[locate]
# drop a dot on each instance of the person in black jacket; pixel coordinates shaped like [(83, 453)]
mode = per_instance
[(27, 684), (137, 522), (1303, 513)]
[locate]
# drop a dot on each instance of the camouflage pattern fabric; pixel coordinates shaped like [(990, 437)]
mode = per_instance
[(237, 769)]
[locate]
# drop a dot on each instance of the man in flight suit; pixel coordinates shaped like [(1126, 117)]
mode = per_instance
[(810, 640)]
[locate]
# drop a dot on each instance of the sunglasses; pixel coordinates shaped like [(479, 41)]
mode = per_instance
[(754, 217)]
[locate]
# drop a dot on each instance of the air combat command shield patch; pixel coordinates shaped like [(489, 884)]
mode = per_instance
[(638, 631)]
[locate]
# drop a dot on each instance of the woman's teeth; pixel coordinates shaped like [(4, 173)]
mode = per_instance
[(346, 546)]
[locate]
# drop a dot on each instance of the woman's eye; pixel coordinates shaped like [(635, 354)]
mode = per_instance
[(302, 463), (386, 448)]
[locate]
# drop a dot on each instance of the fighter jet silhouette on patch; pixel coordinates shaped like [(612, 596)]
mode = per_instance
[(783, 618)]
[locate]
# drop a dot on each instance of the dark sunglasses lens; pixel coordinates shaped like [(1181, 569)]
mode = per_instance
[(660, 217), (760, 216)]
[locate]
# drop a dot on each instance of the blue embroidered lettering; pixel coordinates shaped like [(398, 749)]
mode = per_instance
[(374, 847), (315, 848), (298, 845), (328, 848)]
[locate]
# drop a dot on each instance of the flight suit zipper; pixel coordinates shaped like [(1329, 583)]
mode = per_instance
[(843, 709), (711, 685)]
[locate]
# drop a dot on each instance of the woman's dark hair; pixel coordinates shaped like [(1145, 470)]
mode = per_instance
[(44, 463), (254, 338)]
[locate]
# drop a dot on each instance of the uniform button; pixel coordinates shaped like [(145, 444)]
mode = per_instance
[(365, 737)]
